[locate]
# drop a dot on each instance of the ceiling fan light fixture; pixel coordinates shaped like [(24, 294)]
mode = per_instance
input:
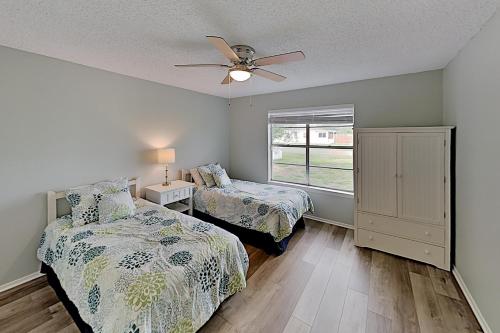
[(239, 73), (243, 65)]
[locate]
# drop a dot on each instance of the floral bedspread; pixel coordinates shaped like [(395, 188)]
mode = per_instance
[(158, 271), (265, 208)]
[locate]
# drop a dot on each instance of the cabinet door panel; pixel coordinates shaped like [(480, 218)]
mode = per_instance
[(377, 163), (421, 177)]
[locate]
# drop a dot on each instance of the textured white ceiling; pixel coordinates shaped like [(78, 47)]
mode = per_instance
[(344, 40)]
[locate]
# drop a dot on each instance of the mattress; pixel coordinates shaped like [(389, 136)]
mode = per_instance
[(261, 207), (158, 271)]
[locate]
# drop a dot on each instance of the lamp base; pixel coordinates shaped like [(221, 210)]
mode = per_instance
[(166, 183)]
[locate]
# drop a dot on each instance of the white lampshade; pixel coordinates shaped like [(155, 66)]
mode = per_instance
[(166, 156)]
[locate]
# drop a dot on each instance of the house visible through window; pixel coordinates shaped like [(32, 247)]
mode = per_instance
[(312, 147)]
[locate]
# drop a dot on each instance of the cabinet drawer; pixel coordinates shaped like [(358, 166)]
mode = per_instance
[(402, 228), (403, 247)]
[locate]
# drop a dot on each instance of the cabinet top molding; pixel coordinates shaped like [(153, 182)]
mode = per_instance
[(432, 129)]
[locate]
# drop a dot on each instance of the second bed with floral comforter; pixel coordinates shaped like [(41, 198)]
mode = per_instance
[(265, 208), (158, 271)]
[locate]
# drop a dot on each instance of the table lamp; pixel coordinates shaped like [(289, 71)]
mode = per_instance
[(166, 156)]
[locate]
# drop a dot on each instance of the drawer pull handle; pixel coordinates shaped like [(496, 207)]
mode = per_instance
[(427, 233), (370, 221), (426, 252), (370, 237)]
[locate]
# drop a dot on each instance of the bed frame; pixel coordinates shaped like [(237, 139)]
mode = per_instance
[(53, 280), (253, 237)]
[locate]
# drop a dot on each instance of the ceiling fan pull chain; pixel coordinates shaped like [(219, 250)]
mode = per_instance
[(229, 86), (251, 96)]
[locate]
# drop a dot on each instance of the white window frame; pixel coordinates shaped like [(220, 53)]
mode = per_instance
[(329, 108)]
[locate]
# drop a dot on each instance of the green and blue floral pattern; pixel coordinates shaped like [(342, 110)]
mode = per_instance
[(206, 172), (136, 260), (115, 206), (265, 208), (181, 258), (220, 176), (94, 298), (138, 276), (145, 290), (92, 253), (84, 200)]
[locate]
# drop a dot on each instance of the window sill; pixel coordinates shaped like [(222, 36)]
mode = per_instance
[(314, 189)]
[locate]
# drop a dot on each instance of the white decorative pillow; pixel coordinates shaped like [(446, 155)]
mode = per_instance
[(206, 173), (220, 176), (115, 206), (197, 177), (84, 199)]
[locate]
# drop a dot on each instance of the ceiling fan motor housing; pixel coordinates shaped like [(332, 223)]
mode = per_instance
[(244, 52)]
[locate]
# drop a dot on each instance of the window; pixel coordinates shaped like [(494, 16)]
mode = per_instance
[(312, 147)]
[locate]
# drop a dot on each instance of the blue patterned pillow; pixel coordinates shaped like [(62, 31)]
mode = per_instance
[(84, 199), (115, 206), (220, 176), (206, 172)]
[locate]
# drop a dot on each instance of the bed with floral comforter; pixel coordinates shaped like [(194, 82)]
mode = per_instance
[(261, 207), (158, 271)]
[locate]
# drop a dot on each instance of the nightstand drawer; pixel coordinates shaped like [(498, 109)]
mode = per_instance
[(180, 194), (169, 196), (172, 194), (184, 193)]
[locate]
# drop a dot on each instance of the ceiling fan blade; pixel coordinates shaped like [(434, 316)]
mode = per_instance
[(227, 79), (202, 65), (268, 75), (224, 48), (280, 58)]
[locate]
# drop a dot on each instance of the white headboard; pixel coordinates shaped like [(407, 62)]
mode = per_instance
[(53, 196), (186, 175)]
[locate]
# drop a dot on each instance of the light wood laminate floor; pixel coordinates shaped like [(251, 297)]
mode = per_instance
[(323, 283)]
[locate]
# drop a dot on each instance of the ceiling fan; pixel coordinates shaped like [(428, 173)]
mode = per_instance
[(243, 64)]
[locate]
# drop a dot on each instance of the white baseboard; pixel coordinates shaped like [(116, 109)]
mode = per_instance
[(320, 219), (484, 325), (18, 282)]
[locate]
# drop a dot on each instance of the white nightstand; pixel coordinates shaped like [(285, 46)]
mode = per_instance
[(171, 195)]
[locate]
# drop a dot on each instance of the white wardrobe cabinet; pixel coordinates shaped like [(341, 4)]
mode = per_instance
[(402, 192)]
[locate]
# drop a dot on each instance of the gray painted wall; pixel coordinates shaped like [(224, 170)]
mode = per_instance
[(472, 103), (405, 100), (63, 124)]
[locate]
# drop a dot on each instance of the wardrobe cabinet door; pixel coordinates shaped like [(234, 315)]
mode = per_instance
[(421, 177), (377, 162)]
